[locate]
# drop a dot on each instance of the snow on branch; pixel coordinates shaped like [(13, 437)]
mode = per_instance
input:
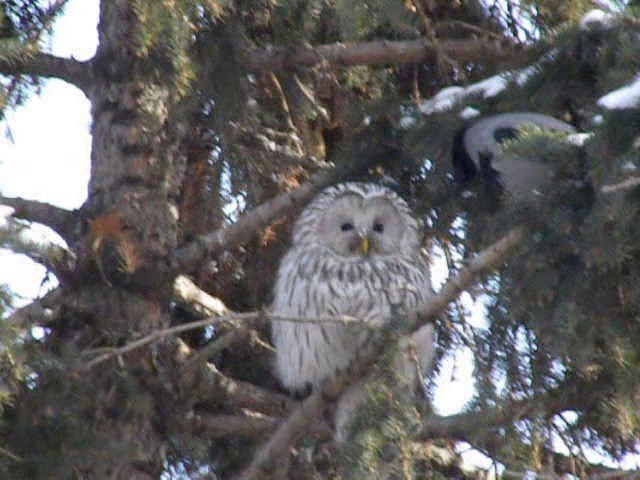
[(623, 98), (46, 65), (373, 53), (58, 219), (280, 442)]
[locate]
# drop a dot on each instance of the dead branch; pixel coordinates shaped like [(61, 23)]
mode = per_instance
[(281, 441), (248, 424), (373, 53), (206, 246), (198, 300), (626, 184), (46, 65), (58, 219)]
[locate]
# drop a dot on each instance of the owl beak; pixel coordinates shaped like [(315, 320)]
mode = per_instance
[(365, 245)]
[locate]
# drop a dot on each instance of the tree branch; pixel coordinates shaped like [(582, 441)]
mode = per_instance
[(249, 424), (198, 301), (58, 219), (207, 384), (206, 246), (373, 53), (280, 442), (46, 65)]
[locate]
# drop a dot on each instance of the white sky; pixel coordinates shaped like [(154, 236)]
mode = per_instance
[(45, 144)]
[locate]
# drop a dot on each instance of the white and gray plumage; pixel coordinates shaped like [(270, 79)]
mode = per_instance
[(356, 251), (477, 153)]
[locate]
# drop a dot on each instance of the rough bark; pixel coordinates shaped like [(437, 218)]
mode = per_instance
[(125, 283)]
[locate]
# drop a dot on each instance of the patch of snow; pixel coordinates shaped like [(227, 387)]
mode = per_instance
[(629, 167), (597, 18), (449, 97), (444, 100), (5, 213), (407, 122), (578, 139), (597, 120), (523, 76), (622, 98), (489, 87), (469, 112)]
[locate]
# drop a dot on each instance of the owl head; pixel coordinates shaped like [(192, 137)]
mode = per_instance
[(358, 220)]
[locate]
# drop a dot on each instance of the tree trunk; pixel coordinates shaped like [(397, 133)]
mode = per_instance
[(123, 291)]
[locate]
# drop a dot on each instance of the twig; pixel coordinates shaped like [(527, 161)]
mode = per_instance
[(278, 445), (623, 185), (110, 353), (226, 341), (11, 455)]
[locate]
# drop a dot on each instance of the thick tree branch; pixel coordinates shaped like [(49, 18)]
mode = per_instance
[(46, 65), (279, 444), (250, 424), (58, 219), (207, 384), (374, 53), (198, 301), (249, 224)]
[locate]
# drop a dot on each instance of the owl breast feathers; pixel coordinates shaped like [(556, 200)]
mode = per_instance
[(356, 252)]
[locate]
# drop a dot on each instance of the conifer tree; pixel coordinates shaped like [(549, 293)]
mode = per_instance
[(155, 360)]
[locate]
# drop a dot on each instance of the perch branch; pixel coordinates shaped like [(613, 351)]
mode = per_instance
[(280, 442), (206, 246), (373, 53), (58, 219), (46, 65)]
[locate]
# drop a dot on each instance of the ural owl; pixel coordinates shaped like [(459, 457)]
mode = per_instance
[(356, 251)]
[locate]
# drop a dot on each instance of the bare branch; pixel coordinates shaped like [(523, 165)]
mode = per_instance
[(10, 455), (373, 53), (58, 219), (626, 184), (46, 65), (206, 246), (249, 424), (198, 300), (279, 444)]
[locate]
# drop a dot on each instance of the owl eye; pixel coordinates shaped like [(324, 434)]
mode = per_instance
[(346, 226), (378, 227)]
